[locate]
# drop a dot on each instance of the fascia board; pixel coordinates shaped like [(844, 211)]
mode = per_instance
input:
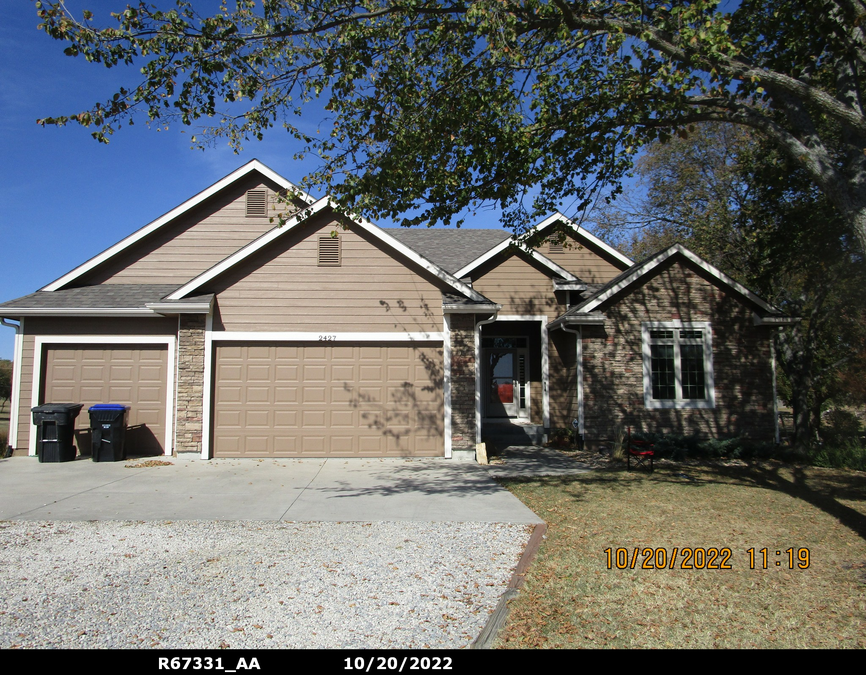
[(596, 319), (775, 320), (301, 217), (176, 212), (470, 309), (568, 285), (664, 255), (179, 307)]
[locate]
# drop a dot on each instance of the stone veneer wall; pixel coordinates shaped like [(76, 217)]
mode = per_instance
[(462, 381), (190, 383), (613, 362)]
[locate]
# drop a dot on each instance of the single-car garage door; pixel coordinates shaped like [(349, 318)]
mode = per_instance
[(345, 400), (132, 375)]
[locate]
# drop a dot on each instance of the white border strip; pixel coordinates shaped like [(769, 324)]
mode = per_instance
[(324, 336), (254, 165), (169, 340)]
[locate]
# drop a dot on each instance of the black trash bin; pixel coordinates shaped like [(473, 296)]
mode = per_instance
[(108, 431), (55, 426)]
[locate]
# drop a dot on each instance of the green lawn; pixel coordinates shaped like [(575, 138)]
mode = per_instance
[(571, 599)]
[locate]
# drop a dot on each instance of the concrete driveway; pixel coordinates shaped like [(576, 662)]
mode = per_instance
[(368, 490)]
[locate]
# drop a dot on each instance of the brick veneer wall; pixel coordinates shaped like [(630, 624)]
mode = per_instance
[(613, 362), (190, 382), (463, 381)]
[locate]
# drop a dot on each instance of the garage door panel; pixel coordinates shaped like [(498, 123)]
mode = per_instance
[(287, 373), (226, 394), (136, 376), (257, 419), (341, 400), (119, 393), (148, 394), (286, 395)]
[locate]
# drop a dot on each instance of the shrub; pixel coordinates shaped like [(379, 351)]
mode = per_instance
[(849, 455)]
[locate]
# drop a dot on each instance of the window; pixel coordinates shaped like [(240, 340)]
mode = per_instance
[(678, 365)]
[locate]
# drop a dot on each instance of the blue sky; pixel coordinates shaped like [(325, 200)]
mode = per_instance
[(63, 196)]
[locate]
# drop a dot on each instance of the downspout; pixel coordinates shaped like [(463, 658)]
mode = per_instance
[(16, 386), (478, 374), (578, 385)]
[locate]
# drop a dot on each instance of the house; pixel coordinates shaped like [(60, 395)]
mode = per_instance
[(230, 335)]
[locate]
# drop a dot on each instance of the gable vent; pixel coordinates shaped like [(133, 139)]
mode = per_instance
[(257, 203), (329, 251), (554, 246)]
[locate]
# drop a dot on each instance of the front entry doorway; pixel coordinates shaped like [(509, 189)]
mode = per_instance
[(506, 377)]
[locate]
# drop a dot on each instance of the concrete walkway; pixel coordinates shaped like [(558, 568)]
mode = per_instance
[(432, 490)]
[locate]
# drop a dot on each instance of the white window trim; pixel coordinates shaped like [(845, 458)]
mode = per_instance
[(710, 401)]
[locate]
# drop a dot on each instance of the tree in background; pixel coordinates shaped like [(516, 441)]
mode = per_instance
[(745, 207), (5, 382), (440, 105)]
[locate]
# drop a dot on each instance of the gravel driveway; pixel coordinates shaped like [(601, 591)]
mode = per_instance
[(244, 584)]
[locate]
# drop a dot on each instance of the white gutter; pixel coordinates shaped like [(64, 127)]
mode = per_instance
[(775, 320), (471, 309)]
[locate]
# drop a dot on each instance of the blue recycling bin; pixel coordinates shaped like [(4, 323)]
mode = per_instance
[(108, 423)]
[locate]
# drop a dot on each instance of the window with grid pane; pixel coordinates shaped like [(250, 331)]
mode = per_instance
[(678, 369)]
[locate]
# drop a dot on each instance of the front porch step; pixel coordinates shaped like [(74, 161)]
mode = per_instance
[(503, 434)]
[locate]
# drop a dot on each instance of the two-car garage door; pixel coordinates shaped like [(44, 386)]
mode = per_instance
[(314, 400)]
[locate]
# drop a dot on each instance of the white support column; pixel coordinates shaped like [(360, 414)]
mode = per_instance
[(446, 386), (206, 387)]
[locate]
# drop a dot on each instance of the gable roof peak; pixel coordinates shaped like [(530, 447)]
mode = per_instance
[(646, 266), (181, 209), (577, 231)]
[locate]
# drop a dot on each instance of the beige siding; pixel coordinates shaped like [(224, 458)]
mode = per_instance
[(520, 287), (284, 289), (193, 243), (586, 262)]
